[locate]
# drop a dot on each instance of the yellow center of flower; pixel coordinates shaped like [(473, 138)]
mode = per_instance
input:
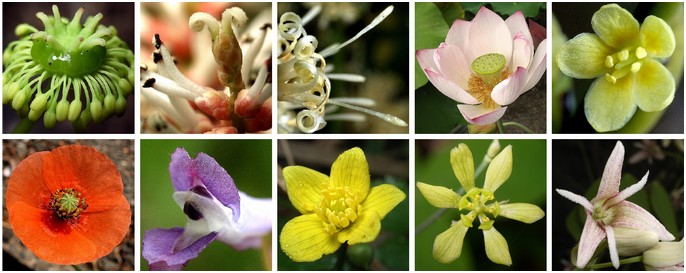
[(338, 208), (67, 204), (624, 62), (601, 214), (480, 203), (488, 72)]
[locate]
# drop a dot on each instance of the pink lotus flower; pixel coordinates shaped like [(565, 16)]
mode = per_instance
[(609, 209), (485, 64)]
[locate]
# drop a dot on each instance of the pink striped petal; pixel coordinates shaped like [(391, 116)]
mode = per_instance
[(591, 236), (631, 215), (458, 34), (425, 58), (612, 245), (517, 24), (522, 52), (507, 91), (576, 199), (537, 66), (488, 33), (453, 65), (449, 88), (629, 191), (479, 115), (609, 184)]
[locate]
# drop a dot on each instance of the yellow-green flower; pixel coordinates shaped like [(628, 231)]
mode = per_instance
[(477, 203), (623, 55), (335, 210)]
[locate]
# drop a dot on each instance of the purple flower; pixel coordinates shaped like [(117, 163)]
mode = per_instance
[(215, 210)]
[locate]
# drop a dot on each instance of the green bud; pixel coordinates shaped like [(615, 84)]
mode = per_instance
[(85, 118), (35, 114), (19, 99), (493, 149), (109, 105), (130, 76), (360, 255), (631, 241), (49, 119), (40, 102), (9, 91), (24, 29), (125, 86), (62, 110), (120, 106), (96, 110), (24, 111), (74, 110)]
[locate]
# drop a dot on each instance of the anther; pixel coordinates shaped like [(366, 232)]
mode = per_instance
[(623, 55), (609, 62), (635, 67), (641, 53), (610, 78)]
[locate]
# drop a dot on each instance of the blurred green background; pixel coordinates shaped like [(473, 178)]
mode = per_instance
[(249, 164), (527, 184), (388, 164)]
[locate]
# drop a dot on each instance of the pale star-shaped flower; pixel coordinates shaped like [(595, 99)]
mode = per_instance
[(609, 210)]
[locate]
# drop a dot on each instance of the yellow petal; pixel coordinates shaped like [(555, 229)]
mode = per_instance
[(351, 170), (448, 245), (382, 199), (304, 187), (463, 165), (615, 26), (522, 212), (364, 230), (583, 57), (657, 37), (499, 170), (440, 197), (653, 86), (496, 247), (609, 106), (303, 239)]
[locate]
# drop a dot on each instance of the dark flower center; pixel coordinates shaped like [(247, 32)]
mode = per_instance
[(67, 204)]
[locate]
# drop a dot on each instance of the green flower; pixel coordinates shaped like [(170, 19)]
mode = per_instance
[(477, 203), (622, 55)]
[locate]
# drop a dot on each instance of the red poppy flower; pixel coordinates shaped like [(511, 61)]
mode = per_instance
[(67, 205)]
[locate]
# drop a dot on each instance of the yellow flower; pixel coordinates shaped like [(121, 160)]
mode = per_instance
[(335, 210), (622, 55)]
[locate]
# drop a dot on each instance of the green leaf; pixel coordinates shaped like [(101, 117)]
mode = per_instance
[(662, 208), (430, 31), (451, 11), (528, 9), (472, 7)]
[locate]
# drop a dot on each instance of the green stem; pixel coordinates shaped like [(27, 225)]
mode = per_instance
[(76, 267), (342, 251), (636, 259), (23, 127), (501, 128), (516, 124)]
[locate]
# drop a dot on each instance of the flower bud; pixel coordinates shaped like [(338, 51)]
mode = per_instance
[(109, 105), (50, 118), (96, 110), (62, 110), (666, 255), (631, 241), (361, 255), (493, 149), (9, 90), (120, 106), (39, 102), (19, 99), (125, 86), (74, 110), (34, 114)]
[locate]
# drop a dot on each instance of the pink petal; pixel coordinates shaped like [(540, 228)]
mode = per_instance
[(629, 191), (576, 199), (538, 32), (609, 184), (479, 115), (522, 52), (449, 88), (453, 65), (458, 34), (488, 34), (517, 24), (612, 245), (425, 58), (507, 91), (631, 215), (591, 236), (537, 66)]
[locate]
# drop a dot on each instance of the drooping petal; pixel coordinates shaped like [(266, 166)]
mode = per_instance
[(537, 67), (425, 58), (516, 23), (522, 52), (382, 199), (608, 106), (654, 86), (437, 196), (576, 199), (612, 174), (499, 169), (657, 37), (351, 170), (615, 26), (462, 162), (303, 239), (158, 244), (508, 90), (488, 33), (591, 236), (630, 215), (523, 212), (186, 173), (479, 115), (453, 64), (496, 247), (583, 57), (612, 246), (448, 244), (255, 222), (626, 193), (365, 229), (304, 187), (634, 241), (449, 88), (458, 34)]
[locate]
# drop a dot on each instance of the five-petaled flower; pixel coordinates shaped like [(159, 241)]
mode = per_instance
[(215, 210), (609, 210), (478, 203), (485, 64), (335, 210), (622, 55), (67, 205)]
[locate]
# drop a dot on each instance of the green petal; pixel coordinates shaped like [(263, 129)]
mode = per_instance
[(522, 212), (657, 37), (496, 247), (653, 86), (303, 239), (448, 245), (351, 170), (440, 197), (583, 57), (609, 106), (499, 170), (463, 165), (615, 26)]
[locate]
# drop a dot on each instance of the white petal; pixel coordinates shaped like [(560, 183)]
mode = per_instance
[(488, 34), (453, 64), (479, 115), (522, 52), (425, 58), (458, 34), (517, 24), (215, 217), (576, 199), (537, 66), (612, 174), (507, 91), (449, 88), (629, 191), (612, 245)]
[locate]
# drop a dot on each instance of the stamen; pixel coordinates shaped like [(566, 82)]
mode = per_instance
[(641, 53), (623, 55), (610, 78), (609, 62), (635, 67), (379, 18)]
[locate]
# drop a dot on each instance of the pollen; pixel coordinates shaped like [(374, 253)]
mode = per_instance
[(481, 90), (339, 207)]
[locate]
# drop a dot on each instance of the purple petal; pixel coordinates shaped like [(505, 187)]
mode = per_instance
[(187, 173), (591, 236), (631, 215), (158, 244), (609, 184)]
